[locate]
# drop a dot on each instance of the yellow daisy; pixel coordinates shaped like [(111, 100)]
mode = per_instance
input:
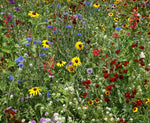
[(33, 14), (71, 69), (107, 92), (110, 14), (61, 63), (76, 61), (79, 45), (101, 25), (90, 102), (34, 91), (45, 43), (135, 109), (85, 107), (96, 5), (115, 19)]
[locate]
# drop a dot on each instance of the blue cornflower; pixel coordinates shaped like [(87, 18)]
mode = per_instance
[(28, 44), (11, 77), (79, 34), (42, 55), (17, 60), (54, 31), (58, 6), (19, 81), (21, 58), (45, 48), (48, 94), (46, 20), (20, 64), (65, 13), (78, 15), (70, 63), (51, 43), (82, 21), (39, 42), (87, 3), (49, 26), (118, 28), (34, 42), (68, 27), (29, 39), (59, 19)]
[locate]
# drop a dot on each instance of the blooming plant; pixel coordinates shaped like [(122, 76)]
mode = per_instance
[(74, 61)]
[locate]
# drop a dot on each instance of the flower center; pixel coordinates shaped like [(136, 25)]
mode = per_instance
[(34, 13), (76, 61), (60, 62), (34, 89), (80, 45)]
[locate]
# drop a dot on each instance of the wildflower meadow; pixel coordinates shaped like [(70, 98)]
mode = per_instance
[(75, 61)]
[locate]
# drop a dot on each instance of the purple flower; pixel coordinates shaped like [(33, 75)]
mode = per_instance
[(11, 1), (17, 9), (9, 17), (15, 110), (33, 121), (53, 120), (70, 63), (21, 59), (42, 120), (89, 70), (9, 107), (11, 77), (46, 113), (22, 99)]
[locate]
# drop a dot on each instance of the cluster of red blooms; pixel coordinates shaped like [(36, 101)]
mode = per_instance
[(117, 67), (128, 96), (122, 121), (96, 52), (87, 85), (133, 20), (11, 116), (137, 103), (49, 65), (141, 59)]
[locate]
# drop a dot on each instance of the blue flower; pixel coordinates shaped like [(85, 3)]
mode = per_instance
[(2, 13), (16, 60), (54, 31), (19, 81), (65, 13), (20, 64), (118, 28), (87, 3), (82, 21), (28, 44), (58, 6), (48, 94), (51, 43), (68, 27), (21, 58), (79, 34), (39, 42), (45, 48), (78, 15), (34, 42), (49, 26), (29, 39), (46, 20), (42, 54), (11, 77)]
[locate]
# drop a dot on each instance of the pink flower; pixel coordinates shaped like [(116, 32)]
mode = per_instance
[(128, 33)]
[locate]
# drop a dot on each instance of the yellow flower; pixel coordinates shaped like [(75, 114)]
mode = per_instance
[(96, 5), (135, 109), (107, 92), (45, 43), (90, 102), (110, 14), (61, 63), (33, 14), (146, 101), (71, 69), (68, 0), (104, 29), (79, 45), (47, 1), (76, 61), (34, 91), (101, 25), (85, 107), (117, 1), (97, 100), (115, 19)]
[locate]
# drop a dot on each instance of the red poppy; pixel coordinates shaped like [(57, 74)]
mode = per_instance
[(106, 75), (121, 120), (8, 116), (108, 88), (117, 51), (113, 62), (7, 35), (97, 85), (112, 79), (142, 64), (113, 85), (84, 94), (133, 92), (116, 75), (147, 69), (127, 100), (125, 71), (87, 86), (6, 111), (84, 83), (121, 76), (88, 81), (107, 99), (12, 112), (127, 95)]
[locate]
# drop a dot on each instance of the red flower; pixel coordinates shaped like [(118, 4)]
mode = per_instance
[(2, 58), (113, 85), (12, 112), (116, 75), (121, 76), (126, 63), (112, 79), (133, 92), (8, 116), (142, 64), (117, 51), (108, 88), (106, 75), (135, 60), (147, 69), (6, 111), (125, 71), (127, 100), (121, 120), (88, 81), (97, 85), (84, 94), (127, 95), (141, 47), (120, 72), (87, 86), (113, 62), (84, 83), (7, 35), (107, 99)]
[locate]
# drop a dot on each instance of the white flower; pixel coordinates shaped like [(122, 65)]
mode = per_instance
[(105, 118), (112, 119), (31, 65), (107, 112), (142, 55), (23, 120), (42, 108), (70, 103), (64, 105), (11, 96)]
